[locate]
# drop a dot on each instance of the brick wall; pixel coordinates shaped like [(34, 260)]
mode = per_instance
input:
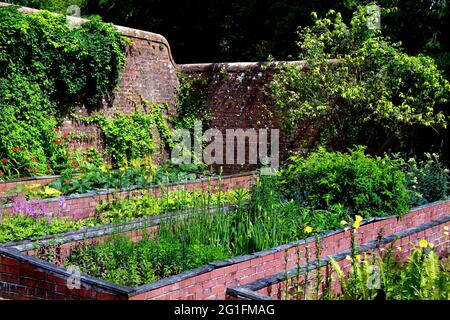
[(83, 206), (149, 71), (238, 96), (212, 280)]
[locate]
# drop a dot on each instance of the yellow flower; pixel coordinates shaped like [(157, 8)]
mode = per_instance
[(431, 245), (308, 229), (399, 248), (423, 243), (356, 224), (358, 257), (358, 218), (446, 233), (446, 228), (344, 223)]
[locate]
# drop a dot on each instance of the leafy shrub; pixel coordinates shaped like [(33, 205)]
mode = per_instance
[(374, 95), (428, 180), (352, 182)]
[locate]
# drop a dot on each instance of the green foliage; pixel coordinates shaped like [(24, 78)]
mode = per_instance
[(35, 191), (127, 137), (420, 277), (191, 105), (138, 206), (428, 180), (121, 261), (371, 96), (20, 227), (139, 174), (45, 65), (58, 6), (351, 183)]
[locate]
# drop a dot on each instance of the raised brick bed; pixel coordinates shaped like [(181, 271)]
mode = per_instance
[(274, 286), (83, 206), (25, 277)]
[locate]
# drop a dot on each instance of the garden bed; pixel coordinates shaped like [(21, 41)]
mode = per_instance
[(82, 206), (24, 276)]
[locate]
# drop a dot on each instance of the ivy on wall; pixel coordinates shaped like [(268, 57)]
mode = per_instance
[(46, 66), (129, 137)]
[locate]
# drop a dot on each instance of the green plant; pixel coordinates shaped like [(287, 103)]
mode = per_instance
[(350, 183), (420, 277), (46, 66), (121, 261), (137, 206), (20, 227), (428, 179), (191, 105), (34, 191), (373, 95)]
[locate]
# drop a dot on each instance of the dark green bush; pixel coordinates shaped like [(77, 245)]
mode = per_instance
[(352, 182), (428, 180)]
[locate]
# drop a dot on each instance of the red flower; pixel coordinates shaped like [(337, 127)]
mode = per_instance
[(57, 130), (69, 155), (49, 167), (5, 161), (32, 169), (57, 141), (15, 149), (75, 165), (63, 136)]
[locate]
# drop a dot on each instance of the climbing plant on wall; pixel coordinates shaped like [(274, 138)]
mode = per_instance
[(46, 66)]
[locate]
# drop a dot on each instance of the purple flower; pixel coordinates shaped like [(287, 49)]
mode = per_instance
[(62, 202), (34, 208)]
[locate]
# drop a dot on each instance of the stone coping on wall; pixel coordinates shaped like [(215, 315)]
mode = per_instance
[(241, 66), (250, 290), (128, 32), (224, 274)]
